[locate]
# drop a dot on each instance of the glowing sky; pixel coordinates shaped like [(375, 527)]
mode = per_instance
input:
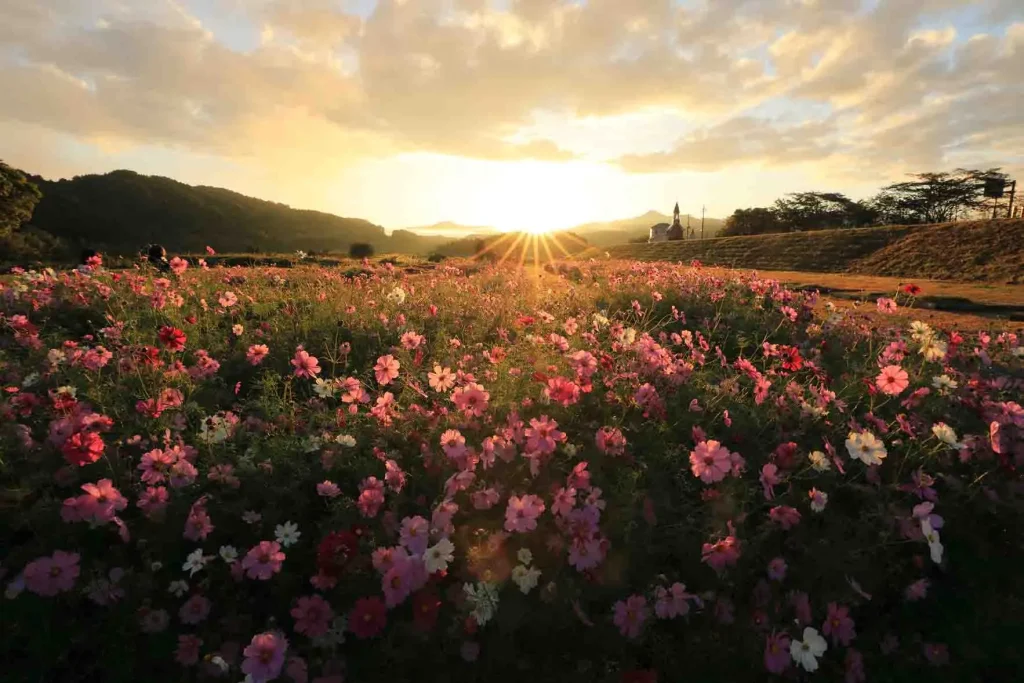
[(513, 113)]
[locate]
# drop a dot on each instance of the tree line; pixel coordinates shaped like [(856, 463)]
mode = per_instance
[(925, 198)]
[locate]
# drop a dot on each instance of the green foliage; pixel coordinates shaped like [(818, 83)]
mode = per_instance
[(754, 221), (18, 198), (935, 197)]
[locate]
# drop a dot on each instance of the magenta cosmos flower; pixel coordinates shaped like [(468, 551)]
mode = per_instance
[(264, 656)]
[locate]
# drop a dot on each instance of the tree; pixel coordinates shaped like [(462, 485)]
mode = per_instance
[(360, 250), (821, 211), (934, 197), (756, 221), (18, 199)]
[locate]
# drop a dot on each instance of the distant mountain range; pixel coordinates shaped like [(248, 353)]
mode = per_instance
[(123, 211)]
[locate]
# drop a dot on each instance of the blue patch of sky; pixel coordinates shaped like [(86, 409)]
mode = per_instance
[(233, 29)]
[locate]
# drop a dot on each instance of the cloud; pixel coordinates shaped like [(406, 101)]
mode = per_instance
[(895, 82)]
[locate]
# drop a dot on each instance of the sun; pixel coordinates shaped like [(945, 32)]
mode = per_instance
[(536, 229)]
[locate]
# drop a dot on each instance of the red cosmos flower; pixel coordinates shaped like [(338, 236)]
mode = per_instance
[(336, 551), (172, 338), (425, 605), (368, 617), (911, 289), (83, 448), (791, 359)]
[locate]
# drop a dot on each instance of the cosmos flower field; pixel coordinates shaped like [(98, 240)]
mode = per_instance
[(594, 471)]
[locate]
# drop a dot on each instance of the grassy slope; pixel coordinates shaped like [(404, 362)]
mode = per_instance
[(976, 250)]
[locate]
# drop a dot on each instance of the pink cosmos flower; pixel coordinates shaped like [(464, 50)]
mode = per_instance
[(839, 625), (892, 380), (256, 353), (785, 516), (312, 616), (371, 496), (195, 610), (83, 448), (917, 590), (227, 299), (263, 560), (542, 436), (48, 576), (563, 391), (777, 569), (328, 489), (101, 501), (769, 478), (721, 554), (178, 265), (264, 656), (187, 653), (886, 305), (522, 513), (610, 440), (471, 399), (397, 583), (441, 379), (411, 341), (305, 364), (564, 501), (386, 369), (672, 601), (776, 652), (630, 615), (415, 534), (711, 461)]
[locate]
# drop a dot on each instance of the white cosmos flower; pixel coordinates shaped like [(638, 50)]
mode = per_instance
[(944, 383), (806, 652), (287, 534), (526, 578), (178, 588), (484, 599), (437, 556), (944, 433), (934, 544), (524, 556), (228, 553), (819, 461), (346, 440), (324, 388), (397, 295), (934, 350), (866, 447), (195, 561)]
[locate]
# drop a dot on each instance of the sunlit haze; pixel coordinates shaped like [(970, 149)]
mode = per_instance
[(516, 114)]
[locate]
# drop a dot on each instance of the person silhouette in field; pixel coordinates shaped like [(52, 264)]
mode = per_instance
[(157, 257)]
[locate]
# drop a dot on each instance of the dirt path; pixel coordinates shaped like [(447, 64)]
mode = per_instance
[(941, 303)]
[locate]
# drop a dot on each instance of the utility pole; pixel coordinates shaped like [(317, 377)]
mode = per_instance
[(1013, 191), (702, 221)]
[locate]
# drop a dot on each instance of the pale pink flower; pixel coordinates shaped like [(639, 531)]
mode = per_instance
[(441, 379), (672, 601), (711, 461), (386, 369), (328, 489), (522, 512), (227, 299), (471, 399), (195, 610), (415, 534), (371, 496)]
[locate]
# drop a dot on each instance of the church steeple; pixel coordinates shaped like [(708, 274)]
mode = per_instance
[(675, 215)]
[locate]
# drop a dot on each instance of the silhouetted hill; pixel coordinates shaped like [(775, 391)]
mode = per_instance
[(122, 211)]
